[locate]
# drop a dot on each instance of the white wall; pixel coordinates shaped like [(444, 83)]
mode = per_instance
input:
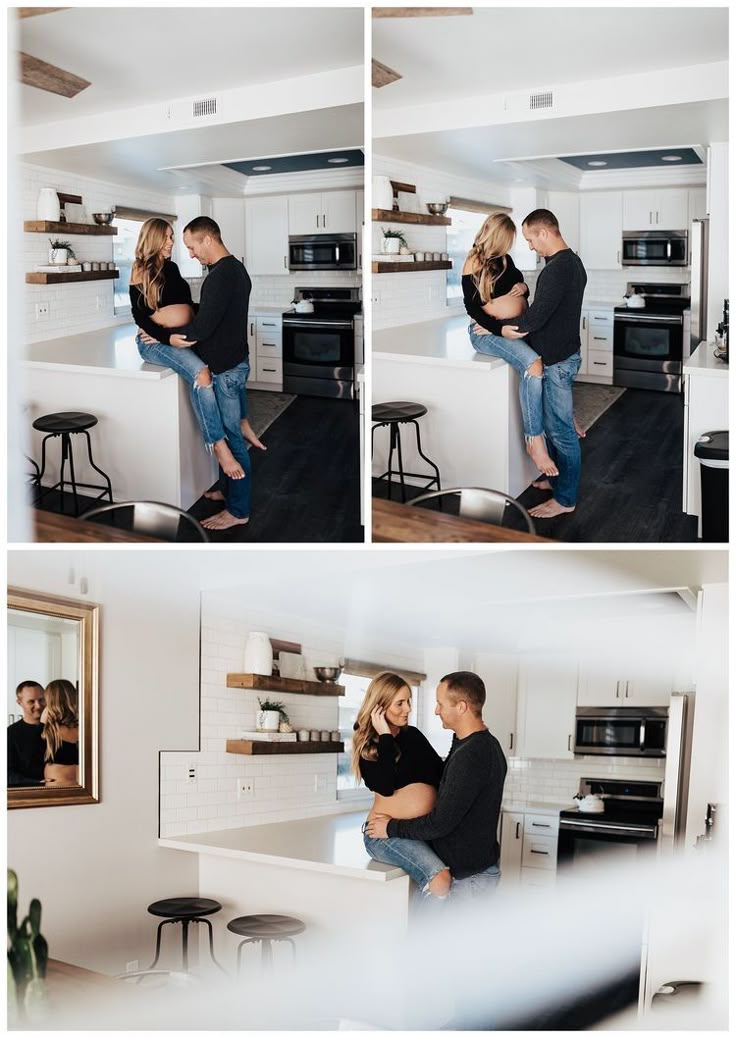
[(718, 244), (96, 867)]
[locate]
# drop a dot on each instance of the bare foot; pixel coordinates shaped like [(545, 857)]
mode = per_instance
[(540, 484), (250, 436), (578, 428), (550, 509), (222, 521), (226, 459), (214, 495), (538, 453)]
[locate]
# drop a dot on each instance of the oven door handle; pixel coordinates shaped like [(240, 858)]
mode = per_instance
[(289, 323), (651, 318), (631, 830)]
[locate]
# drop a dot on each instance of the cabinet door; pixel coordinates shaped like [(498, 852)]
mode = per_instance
[(597, 687), (252, 339), (566, 207), (697, 204), (583, 344), (267, 235), (499, 673), (601, 222), (338, 212), (229, 215), (671, 212), (639, 209), (305, 214), (548, 688), (650, 691), (512, 843)]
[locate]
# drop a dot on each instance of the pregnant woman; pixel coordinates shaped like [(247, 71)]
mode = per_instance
[(60, 720), (494, 293), (161, 301), (402, 769)]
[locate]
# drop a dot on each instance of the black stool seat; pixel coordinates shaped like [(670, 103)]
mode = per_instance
[(184, 907), (64, 422), (397, 411), (267, 927)]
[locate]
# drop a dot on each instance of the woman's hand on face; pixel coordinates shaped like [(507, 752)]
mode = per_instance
[(379, 722)]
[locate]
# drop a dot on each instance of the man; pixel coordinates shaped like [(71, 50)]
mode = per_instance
[(553, 322), (463, 823), (219, 332), (26, 747)]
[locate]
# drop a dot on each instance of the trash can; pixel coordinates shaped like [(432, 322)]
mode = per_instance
[(711, 450)]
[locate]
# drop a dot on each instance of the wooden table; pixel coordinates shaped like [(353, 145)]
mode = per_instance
[(398, 523), (51, 527)]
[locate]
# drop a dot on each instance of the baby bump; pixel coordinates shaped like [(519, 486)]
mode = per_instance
[(410, 801), (508, 306), (173, 316), (61, 774)]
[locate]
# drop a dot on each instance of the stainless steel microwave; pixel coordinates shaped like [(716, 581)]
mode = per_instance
[(323, 251), (654, 249), (624, 731)]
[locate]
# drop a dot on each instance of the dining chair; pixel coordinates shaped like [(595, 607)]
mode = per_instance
[(152, 518), (481, 504)]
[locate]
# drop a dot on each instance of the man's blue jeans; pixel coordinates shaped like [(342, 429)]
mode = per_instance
[(230, 394), (480, 885), (559, 427), (520, 356)]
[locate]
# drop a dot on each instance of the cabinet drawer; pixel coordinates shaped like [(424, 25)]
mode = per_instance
[(600, 362), (541, 825), (268, 349), (268, 370), (600, 338), (540, 852), (269, 324), (537, 878)]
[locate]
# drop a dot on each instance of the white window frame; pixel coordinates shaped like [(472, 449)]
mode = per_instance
[(455, 304), (124, 212)]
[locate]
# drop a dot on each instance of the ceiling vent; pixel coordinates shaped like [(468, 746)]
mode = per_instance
[(195, 108), (541, 100), (204, 106)]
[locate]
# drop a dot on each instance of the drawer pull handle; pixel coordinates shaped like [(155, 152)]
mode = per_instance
[(600, 338), (518, 826), (270, 369), (541, 825), (600, 363), (539, 852)]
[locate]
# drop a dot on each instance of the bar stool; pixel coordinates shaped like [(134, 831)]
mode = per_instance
[(184, 910), (266, 929), (67, 424), (394, 414)]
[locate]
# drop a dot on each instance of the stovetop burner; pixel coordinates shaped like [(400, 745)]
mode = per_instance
[(660, 298), (329, 303), (625, 801)]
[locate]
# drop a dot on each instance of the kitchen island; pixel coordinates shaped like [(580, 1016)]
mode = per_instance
[(473, 428), (147, 438)]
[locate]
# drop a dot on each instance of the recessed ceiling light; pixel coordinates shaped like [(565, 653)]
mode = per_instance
[(261, 169), (597, 162), (338, 161), (671, 158)]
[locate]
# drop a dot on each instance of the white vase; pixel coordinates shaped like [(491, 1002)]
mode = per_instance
[(382, 193), (268, 720), (258, 656), (47, 206), (58, 256), (391, 246)]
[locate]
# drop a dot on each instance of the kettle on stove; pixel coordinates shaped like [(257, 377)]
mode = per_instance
[(590, 804), (635, 301)]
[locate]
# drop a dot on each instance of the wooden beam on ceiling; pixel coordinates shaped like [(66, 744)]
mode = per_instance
[(37, 73), (31, 12), (419, 12), (382, 75)]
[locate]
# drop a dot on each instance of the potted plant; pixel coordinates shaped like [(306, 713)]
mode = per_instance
[(270, 716), (27, 958), (60, 252), (392, 241)]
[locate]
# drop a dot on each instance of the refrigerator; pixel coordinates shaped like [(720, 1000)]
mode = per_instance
[(677, 769), (698, 283)]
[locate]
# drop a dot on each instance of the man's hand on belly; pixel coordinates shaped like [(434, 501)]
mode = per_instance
[(377, 827), (511, 331), (148, 339), (181, 341), (478, 329)]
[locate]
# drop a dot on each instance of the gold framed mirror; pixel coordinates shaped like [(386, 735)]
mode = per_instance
[(53, 653)]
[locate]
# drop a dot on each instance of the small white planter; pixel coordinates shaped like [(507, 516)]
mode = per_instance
[(59, 256), (268, 720), (391, 246)]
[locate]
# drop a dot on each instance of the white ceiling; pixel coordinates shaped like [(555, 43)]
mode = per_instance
[(137, 56)]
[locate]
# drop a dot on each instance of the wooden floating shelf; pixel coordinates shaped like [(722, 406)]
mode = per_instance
[(395, 216), (45, 227), (42, 277), (397, 268), (264, 683), (254, 748)]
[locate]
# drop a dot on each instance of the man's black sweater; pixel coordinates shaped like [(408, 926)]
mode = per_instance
[(26, 749), (462, 826), (221, 324), (553, 320)]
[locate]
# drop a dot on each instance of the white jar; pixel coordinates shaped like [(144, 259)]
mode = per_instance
[(47, 206), (258, 656), (383, 193)]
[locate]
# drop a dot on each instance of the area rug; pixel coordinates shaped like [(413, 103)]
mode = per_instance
[(264, 408), (591, 401)]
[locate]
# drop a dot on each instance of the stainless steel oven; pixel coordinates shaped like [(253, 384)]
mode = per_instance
[(654, 249), (621, 731), (319, 347), (628, 826), (649, 344), (323, 252)]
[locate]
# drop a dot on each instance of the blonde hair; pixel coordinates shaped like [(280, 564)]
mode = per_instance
[(380, 693), (148, 266), (62, 710), (491, 244)]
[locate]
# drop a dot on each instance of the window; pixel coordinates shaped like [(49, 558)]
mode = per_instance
[(467, 218), (128, 223)]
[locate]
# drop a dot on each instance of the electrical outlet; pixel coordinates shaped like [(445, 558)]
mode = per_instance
[(42, 310), (320, 783), (375, 297), (191, 775), (132, 966), (246, 788)]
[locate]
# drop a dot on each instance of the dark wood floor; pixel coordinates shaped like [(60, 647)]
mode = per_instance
[(305, 486), (631, 482)]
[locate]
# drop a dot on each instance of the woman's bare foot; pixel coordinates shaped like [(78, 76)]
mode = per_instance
[(538, 453), (214, 495), (550, 509), (222, 521), (250, 436), (578, 428), (227, 460), (539, 484)]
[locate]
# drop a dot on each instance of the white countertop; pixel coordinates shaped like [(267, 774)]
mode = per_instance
[(328, 843), (602, 304), (702, 362), (106, 351), (442, 341), (267, 311), (538, 807)]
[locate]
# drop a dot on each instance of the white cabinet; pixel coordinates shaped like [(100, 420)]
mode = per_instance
[(264, 347), (596, 337), (322, 213), (528, 849), (229, 215), (499, 673), (267, 235), (601, 223), (697, 204), (662, 208), (548, 688), (566, 207), (512, 842), (604, 688)]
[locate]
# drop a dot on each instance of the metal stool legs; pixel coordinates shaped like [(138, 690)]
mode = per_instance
[(105, 475), (185, 942), (395, 446), (67, 454), (266, 951), (428, 460)]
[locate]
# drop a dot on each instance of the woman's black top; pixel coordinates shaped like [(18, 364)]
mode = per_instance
[(419, 762), (474, 304), (67, 753), (174, 290)]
